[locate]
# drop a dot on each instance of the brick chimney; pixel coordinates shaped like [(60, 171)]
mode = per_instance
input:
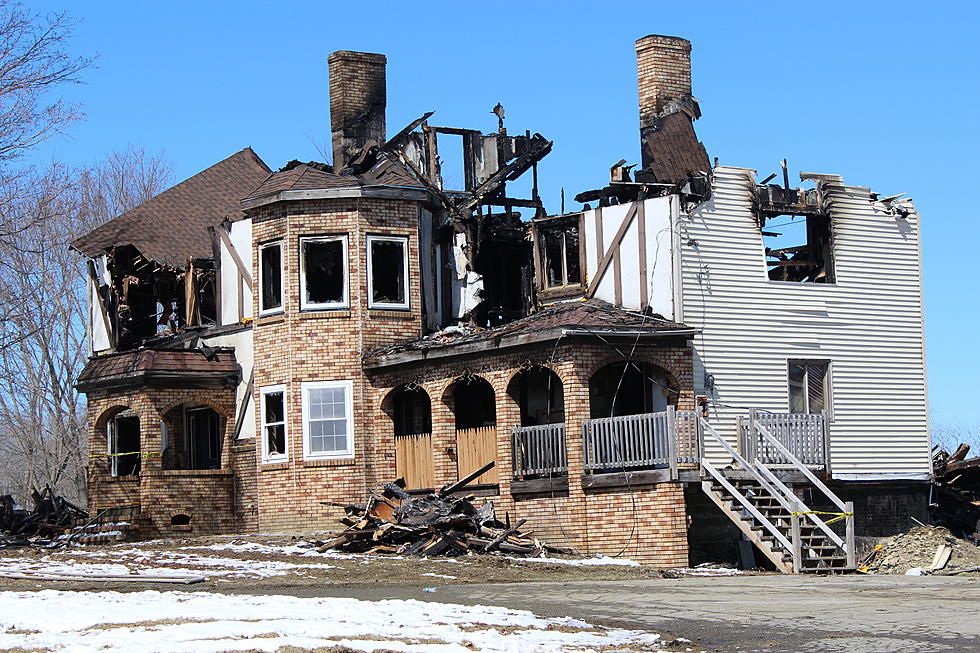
[(357, 102), (664, 73)]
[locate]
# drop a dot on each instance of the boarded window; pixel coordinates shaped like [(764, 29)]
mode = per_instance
[(324, 272), (274, 424), (270, 271), (808, 387), (558, 244), (327, 425), (388, 265)]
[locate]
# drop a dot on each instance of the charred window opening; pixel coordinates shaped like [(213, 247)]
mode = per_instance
[(124, 445), (412, 412), (540, 395), (388, 272), (796, 234), (474, 403), (203, 438), (148, 300), (559, 250), (323, 274), (274, 424), (270, 278), (505, 262), (809, 386), (629, 389)]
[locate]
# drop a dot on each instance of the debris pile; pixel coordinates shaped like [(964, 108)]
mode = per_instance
[(956, 494), (929, 549), (439, 524), (52, 516)]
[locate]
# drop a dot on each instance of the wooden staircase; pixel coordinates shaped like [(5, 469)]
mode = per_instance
[(791, 535)]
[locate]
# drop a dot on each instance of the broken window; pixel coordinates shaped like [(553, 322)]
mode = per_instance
[(327, 420), (274, 424), (809, 386), (270, 278), (203, 438), (323, 272), (388, 272), (558, 244), (124, 444), (796, 234)]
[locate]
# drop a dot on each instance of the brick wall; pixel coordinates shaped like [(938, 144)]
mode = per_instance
[(325, 345), (647, 523), (663, 73), (357, 102), (203, 495)]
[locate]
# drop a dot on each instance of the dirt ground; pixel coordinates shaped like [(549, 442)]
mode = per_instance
[(267, 564)]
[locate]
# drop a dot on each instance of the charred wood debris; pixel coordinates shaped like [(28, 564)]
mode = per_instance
[(53, 516), (955, 500), (439, 524)]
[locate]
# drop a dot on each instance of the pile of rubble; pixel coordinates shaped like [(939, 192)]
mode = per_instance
[(956, 493), (923, 550), (51, 518), (439, 524)]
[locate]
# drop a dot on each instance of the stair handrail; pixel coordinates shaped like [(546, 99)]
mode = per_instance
[(802, 507), (796, 462), (846, 508), (718, 476), (745, 464)]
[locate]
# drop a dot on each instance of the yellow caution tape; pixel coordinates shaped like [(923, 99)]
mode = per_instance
[(141, 454), (837, 515)]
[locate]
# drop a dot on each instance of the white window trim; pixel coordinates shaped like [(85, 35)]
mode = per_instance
[(284, 456), (317, 306), (282, 278), (404, 306), (348, 386), (828, 382)]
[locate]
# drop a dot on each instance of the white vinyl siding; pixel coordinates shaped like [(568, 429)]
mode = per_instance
[(869, 324), (328, 425)]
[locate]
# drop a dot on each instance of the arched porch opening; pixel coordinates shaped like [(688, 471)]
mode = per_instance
[(191, 437), (538, 445), (474, 404), (124, 438), (411, 414), (633, 388)]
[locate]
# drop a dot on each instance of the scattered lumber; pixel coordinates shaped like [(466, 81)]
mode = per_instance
[(52, 516), (133, 578), (439, 524)]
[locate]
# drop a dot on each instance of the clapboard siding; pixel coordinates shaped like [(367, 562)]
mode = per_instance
[(868, 324)]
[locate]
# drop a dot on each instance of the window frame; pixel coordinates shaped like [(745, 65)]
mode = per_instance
[(284, 456), (828, 409), (282, 278), (344, 303), (388, 306), (348, 452), (562, 224)]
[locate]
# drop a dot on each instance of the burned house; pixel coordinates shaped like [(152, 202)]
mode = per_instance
[(654, 375)]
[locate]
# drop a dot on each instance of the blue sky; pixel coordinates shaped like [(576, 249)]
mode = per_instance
[(883, 93)]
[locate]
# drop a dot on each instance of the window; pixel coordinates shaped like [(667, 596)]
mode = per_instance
[(323, 272), (809, 386), (274, 424), (270, 278), (327, 421), (558, 244), (124, 445), (387, 260)]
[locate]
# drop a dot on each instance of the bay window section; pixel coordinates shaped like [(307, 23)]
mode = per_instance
[(327, 420), (323, 272), (274, 424), (270, 278), (387, 262)]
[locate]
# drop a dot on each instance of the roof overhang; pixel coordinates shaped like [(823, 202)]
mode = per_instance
[(183, 368), (382, 361), (379, 192)]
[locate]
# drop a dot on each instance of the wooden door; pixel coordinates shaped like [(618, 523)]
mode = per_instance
[(413, 460), (475, 448)]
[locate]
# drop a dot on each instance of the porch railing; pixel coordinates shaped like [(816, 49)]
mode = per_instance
[(644, 441), (806, 436), (539, 450)]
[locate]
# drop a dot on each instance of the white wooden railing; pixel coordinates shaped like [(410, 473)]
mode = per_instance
[(806, 436), (539, 450)]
